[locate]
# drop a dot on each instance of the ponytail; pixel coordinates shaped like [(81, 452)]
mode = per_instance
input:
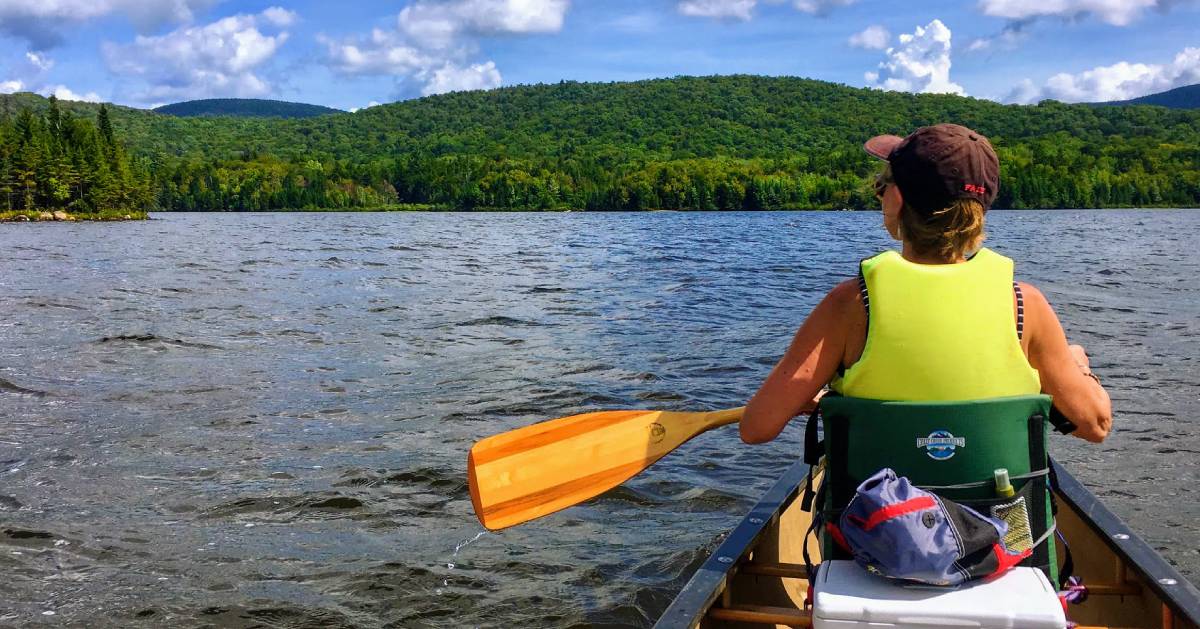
[(952, 232)]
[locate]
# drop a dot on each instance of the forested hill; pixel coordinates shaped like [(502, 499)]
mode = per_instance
[(733, 142), (246, 107), (1186, 97)]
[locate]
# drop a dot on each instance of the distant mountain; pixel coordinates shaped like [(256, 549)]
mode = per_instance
[(245, 107), (1186, 97)]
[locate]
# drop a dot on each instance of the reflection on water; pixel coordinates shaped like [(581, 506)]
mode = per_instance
[(262, 419)]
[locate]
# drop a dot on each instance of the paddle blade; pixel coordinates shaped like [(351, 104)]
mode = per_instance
[(536, 470)]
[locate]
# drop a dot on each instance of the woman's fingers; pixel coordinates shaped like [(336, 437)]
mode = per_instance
[(1080, 356)]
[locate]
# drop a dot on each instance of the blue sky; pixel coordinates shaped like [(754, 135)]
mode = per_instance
[(353, 54)]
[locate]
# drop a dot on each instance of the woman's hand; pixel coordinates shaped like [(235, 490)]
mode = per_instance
[(1081, 358), (1065, 370)]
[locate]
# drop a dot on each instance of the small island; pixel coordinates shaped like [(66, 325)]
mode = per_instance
[(56, 166)]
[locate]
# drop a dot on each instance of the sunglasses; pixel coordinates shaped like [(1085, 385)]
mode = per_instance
[(882, 181)]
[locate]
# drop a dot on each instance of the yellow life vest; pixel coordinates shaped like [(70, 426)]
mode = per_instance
[(939, 332)]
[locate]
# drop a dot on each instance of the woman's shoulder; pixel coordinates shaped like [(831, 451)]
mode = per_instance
[(845, 303), (1031, 294), (846, 294)]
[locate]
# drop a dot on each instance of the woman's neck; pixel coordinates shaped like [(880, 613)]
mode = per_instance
[(909, 254)]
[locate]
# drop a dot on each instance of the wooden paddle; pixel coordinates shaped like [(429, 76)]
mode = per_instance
[(536, 470)]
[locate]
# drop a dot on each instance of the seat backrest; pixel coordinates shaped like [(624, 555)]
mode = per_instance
[(936, 444), (933, 443)]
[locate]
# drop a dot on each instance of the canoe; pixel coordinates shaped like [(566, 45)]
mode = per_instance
[(756, 577)]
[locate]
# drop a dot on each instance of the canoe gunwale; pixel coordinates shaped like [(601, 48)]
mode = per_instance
[(694, 600), (1183, 598)]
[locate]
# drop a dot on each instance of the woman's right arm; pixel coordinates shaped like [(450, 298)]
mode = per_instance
[(1064, 370), (809, 364)]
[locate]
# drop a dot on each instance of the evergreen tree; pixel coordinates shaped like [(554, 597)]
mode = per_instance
[(105, 125), (54, 161)]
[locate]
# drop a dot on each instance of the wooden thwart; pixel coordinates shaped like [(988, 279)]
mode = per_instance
[(763, 615), (781, 570)]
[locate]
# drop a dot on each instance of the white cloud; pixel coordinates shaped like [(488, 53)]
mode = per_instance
[(872, 37), (433, 42), (451, 78), (280, 16), (382, 53), (39, 61), (40, 21), (744, 9), (62, 92), (721, 9), (1116, 12), (217, 59), (1023, 13), (1119, 81), (510, 16), (1025, 92), (920, 63), (440, 24), (1009, 38), (820, 7), (31, 73)]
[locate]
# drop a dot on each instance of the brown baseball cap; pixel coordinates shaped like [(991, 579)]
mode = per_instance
[(936, 165)]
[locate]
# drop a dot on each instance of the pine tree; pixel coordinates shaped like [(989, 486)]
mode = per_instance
[(105, 125), (54, 121)]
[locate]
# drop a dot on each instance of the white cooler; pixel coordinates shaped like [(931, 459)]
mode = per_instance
[(846, 595)]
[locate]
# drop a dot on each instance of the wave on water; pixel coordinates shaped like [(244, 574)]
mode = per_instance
[(498, 320), (276, 508), (153, 340), (272, 617), (51, 304), (539, 290), (9, 387)]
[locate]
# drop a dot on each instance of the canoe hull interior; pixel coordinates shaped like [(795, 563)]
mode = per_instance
[(763, 586)]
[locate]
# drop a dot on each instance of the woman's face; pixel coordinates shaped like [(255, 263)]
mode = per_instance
[(890, 199)]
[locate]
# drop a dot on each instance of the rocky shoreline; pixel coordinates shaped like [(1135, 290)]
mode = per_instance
[(60, 215)]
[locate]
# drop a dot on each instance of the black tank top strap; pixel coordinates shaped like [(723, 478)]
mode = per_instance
[(862, 292), (1020, 309)]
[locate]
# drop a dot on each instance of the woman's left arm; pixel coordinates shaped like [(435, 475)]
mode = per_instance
[(809, 364)]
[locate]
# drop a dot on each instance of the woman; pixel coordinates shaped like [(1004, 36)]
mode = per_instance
[(940, 320)]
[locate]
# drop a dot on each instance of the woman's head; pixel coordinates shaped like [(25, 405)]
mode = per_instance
[(950, 233), (938, 183)]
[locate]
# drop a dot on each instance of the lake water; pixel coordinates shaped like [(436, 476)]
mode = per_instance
[(263, 419)]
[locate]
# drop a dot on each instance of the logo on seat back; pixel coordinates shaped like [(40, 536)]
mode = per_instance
[(940, 444)]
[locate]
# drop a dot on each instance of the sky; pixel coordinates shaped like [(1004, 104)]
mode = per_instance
[(354, 54)]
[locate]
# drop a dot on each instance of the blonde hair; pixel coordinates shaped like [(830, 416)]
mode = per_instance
[(949, 233)]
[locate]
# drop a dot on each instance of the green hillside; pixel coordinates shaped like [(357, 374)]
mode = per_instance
[(734, 142), (245, 107), (1186, 97)]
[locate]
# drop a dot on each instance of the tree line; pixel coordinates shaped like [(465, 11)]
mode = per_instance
[(688, 143), (57, 160), (1035, 174)]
